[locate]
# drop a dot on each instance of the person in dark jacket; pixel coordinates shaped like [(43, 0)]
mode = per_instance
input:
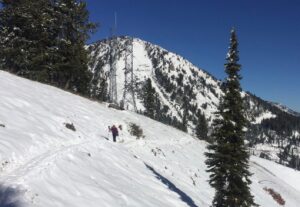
[(115, 132)]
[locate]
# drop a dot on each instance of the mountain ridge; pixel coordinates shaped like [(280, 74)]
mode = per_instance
[(286, 108)]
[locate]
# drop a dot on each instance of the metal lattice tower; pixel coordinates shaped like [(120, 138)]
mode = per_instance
[(129, 85), (113, 95)]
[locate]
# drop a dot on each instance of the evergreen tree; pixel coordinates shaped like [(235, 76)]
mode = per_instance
[(74, 27), (201, 127), (185, 113), (186, 106), (26, 30), (227, 158), (148, 98), (103, 90), (99, 88), (44, 40), (158, 113)]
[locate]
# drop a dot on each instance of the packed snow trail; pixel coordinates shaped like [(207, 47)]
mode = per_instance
[(45, 164), (41, 162)]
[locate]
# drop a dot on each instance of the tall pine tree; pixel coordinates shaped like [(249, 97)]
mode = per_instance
[(74, 28), (227, 158), (201, 127), (185, 113), (188, 92), (149, 98)]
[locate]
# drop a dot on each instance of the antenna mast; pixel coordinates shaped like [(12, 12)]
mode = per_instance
[(113, 96)]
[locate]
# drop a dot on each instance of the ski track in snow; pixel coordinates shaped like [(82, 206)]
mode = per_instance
[(40, 162)]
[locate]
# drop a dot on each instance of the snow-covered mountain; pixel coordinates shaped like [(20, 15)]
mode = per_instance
[(286, 109), (170, 74), (54, 152), (175, 80)]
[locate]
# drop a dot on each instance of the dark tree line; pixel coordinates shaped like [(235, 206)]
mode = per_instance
[(44, 40), (201, 127), (283, 122)]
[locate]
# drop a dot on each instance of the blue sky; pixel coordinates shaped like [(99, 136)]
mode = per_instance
[(268, 32)]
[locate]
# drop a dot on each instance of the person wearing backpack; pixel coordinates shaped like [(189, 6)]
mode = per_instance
[(115, 132)]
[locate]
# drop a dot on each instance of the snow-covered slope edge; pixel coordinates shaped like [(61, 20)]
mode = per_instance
[(45, 164), (285, 108)]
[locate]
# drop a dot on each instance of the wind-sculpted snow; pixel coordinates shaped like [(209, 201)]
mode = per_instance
[(45, 164)]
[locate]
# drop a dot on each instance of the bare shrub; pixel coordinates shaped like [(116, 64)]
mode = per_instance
[(136, 130), (70, 126), (276, 196)]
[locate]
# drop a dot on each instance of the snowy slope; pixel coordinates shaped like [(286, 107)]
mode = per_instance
[(44, 164)]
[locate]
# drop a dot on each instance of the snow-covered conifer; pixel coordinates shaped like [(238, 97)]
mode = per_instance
[(227, 158)]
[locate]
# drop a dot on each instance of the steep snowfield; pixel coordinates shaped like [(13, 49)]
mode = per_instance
[(45, 164)]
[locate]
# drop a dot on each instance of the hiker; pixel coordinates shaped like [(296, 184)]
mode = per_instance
[(115, 132)]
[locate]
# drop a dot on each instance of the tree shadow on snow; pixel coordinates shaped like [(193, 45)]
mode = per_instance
[(183, 196), (9, 197)]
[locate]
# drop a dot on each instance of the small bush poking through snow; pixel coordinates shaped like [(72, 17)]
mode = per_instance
[(4, 164), (276, 196), (2, 125), (264, 155), (114, 106), (136, 130), (70, 126)]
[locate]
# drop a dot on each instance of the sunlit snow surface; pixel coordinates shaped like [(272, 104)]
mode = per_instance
[(45, 164)]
